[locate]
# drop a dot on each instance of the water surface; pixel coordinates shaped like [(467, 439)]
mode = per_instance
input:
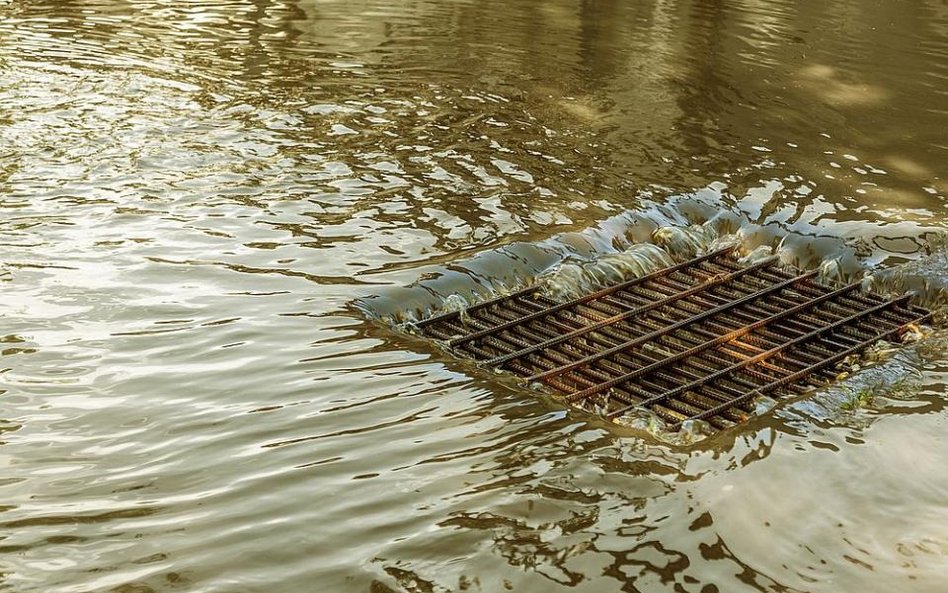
[(194, 193)]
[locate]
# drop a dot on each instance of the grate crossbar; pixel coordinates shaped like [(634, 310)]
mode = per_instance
[(762, 357), (699, 340)]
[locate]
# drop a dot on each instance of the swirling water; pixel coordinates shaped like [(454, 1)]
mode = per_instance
[(196, 193)]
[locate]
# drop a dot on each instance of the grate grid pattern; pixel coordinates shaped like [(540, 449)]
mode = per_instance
[(698, 340)]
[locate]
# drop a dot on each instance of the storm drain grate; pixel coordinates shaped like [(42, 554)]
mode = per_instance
[(698, 340)]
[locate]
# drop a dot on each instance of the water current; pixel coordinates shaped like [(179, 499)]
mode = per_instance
[(214, 213)]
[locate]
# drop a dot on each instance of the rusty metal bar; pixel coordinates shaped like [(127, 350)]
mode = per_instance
[(767, 354), (673, 327), (584, 299), (721, 340), (790, 378), (696, 340), (714, 281)]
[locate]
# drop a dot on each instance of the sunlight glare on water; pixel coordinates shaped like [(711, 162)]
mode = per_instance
[(196, 195)]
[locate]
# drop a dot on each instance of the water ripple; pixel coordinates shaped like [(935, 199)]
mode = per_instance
[(195, 193)]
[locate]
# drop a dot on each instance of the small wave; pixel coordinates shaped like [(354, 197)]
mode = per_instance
[(574, 279), (636, 242), (926, 277)]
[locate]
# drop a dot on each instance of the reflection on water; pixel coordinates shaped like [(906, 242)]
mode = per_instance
[(195, 192)]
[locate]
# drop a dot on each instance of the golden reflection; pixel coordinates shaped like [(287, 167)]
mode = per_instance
[(825, 81)]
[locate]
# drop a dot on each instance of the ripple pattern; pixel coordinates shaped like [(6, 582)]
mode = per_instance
[(194, 193)]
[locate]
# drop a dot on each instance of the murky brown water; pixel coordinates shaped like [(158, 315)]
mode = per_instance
[(195, 192)]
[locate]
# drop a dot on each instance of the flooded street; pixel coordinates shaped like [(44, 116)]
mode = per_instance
[(213, 211)]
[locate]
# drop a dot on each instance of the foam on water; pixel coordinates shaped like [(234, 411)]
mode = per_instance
[(634, 243), (926, 277), (572, 279)]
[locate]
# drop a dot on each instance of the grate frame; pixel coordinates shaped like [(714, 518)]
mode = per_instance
[(699, 340)]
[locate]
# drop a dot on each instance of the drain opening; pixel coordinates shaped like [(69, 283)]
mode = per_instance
[(700, 340)]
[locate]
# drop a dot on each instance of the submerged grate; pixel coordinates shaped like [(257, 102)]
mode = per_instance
[(698, 340)]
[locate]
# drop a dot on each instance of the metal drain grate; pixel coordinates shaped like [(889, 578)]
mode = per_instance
[(699, 340)]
